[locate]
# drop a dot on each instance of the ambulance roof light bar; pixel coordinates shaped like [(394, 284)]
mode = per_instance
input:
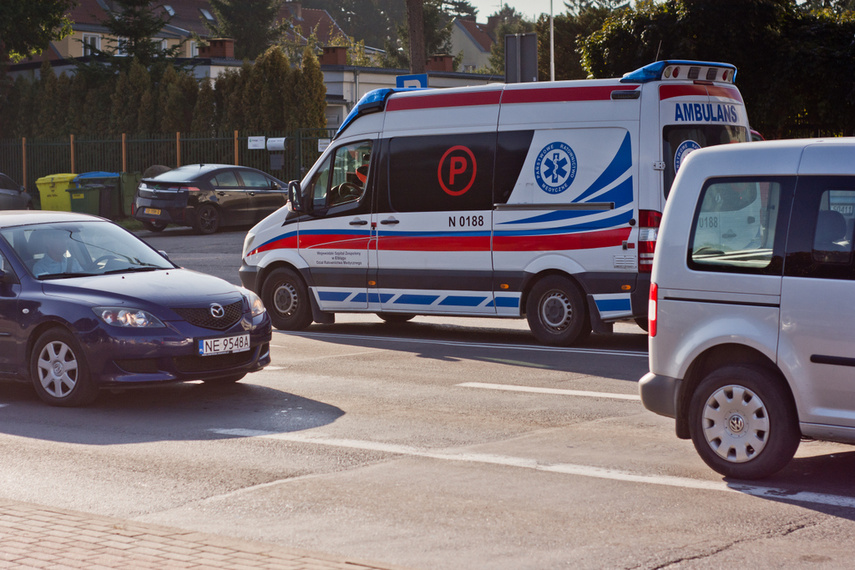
[(371, 102), (682, 69)]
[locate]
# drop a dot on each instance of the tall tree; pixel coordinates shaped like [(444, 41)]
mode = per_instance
[(250, 23), (416, 35), (135, 24), (28, 26)]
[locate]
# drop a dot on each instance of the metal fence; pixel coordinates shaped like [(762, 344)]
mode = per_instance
[(27, 160)]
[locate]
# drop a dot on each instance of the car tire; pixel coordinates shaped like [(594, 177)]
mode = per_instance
[(743, 422), (556, 312), (207, 219), (59, 371), (396, 317), (224, 380), (286, 298), (154, 226)]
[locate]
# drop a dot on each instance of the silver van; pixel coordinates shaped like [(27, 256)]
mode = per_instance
[(752, 303)]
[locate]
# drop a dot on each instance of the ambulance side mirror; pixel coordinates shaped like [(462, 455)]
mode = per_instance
[(295, 196)]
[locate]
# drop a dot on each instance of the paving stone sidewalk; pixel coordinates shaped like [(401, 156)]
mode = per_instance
[(35, 536)]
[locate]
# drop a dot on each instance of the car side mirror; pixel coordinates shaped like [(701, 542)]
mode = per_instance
[(295, 196), (164, 254)]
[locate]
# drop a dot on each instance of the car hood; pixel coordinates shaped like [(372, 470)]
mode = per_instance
[(165, 288)]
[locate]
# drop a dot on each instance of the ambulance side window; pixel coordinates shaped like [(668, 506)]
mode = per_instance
[(343, 176), (441, 173)]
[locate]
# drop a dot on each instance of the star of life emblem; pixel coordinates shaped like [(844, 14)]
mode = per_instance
[(555, 168)]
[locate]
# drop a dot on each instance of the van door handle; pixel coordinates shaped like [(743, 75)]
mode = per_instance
[(389, 221), (358, 222)]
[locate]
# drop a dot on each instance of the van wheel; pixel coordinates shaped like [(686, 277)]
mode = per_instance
[(59, 372), (207, 219), (556, 313), (286, 299), (396, 317), (743, 422)]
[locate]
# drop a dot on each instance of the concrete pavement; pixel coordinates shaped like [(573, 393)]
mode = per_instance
[(36, 536)]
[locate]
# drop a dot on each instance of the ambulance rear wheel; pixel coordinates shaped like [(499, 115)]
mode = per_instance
[(286, 299), (556, 313)]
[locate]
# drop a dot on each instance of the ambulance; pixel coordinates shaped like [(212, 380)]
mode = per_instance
[(534, 200)]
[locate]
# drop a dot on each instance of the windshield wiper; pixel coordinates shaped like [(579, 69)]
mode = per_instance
[(64, 275), (137, 269)]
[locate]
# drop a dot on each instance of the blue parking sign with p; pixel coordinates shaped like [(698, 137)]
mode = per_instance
[(417, 80)]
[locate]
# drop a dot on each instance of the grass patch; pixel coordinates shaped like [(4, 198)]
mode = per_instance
[(130, 224)]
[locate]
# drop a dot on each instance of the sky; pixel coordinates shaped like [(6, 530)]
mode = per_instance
[(531, 9)]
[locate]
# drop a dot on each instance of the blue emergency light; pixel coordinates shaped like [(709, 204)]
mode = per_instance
[(682, 69)]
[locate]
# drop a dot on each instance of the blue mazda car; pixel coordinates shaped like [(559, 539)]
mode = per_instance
[(85, 305)]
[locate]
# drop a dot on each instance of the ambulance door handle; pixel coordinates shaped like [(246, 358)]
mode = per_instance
[(358, 222), (389, 221)]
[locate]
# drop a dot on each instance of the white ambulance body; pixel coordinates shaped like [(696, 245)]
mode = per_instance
[(536, 200)]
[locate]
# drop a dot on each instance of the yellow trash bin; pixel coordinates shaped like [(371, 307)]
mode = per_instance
[(53, 193)]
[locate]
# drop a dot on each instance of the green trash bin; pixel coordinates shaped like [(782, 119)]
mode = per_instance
[(129, 184), (85, 199), (53, 193), (106, 202)]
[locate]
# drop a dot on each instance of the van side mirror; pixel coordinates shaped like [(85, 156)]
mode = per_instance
[(295, 196)]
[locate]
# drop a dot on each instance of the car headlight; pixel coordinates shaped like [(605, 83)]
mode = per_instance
[(253, 301), (125, 317)]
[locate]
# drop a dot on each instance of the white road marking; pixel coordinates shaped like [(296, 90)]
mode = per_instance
[(499, 346), (564, 468), (557, 391)]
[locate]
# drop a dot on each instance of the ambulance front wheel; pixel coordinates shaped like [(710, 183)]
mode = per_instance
[(556, 312), (286, 299)]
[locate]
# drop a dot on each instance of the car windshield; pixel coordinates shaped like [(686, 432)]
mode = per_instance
[(75, 249)]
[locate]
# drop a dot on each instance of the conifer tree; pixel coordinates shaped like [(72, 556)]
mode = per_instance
[(204, 113), (311, 90), (47, 113), (251, 23)]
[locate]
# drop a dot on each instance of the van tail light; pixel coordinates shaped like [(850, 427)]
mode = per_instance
[(648, 230), (652, 308)]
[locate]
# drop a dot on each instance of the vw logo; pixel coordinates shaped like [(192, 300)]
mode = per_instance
[(737, 424), (217, 311)]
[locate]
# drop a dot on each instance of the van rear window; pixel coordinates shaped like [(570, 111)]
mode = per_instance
[(735, 227)]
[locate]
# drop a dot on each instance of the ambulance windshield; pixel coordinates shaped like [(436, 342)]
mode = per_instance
[(680, 140)]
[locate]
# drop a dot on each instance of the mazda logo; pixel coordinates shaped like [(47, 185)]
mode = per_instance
[(217, 311)]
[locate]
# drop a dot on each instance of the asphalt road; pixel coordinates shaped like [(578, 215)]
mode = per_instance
[(440, 443)]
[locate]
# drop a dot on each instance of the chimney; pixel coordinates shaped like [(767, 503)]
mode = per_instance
[(221, 48), (334, 55), (296, 9), (440, 63)]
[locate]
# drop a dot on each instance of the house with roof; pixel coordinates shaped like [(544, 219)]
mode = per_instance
[(345, 83), (474, 40)]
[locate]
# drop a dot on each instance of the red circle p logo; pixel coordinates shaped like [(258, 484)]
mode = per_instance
[(457, 170)]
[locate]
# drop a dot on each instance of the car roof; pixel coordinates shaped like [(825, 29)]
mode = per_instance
[(834, 156), (191, 171), (11, 218)]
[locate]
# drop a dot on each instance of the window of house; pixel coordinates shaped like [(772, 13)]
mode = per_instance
[(91, 43)]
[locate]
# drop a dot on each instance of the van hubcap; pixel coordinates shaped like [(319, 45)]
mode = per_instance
[(556, 311), (285, 299), (735, 423)]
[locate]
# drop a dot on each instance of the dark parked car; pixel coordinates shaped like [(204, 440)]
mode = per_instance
[(208, 196), (13, 196), (85, 304)]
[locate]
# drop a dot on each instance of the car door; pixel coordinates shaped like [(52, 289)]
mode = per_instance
[(818, 301), (266, 195), (9, 292), (10, 194), (335, 240), (232, 198)]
